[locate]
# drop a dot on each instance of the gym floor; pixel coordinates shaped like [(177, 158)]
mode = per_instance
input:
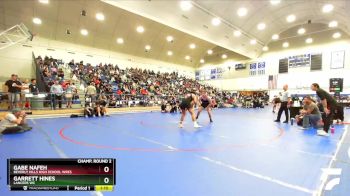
[(242, 153)]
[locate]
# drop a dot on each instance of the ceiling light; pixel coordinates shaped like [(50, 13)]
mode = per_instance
[(210, 52), (84, 32), (202, 61), (140, 29), (242, 11), (215, 21), (265, 48), (170, 38), (120, 40), (187, 57), (148, 47), (44, 1), (301, 31), (327, 8), (100, 16), (185, 5), (192, 46), (285, 45), (37, 21), (309, 40), (336, 35), (253, 41), (333, 24), (275, 2), (170, 53), (237, 33), (291, 18), (275, 37), (224, 56), (261, 26)]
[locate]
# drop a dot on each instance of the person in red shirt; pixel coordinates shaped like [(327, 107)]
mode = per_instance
[(133, 92), (119, 92), (96, 81), (144, 91)]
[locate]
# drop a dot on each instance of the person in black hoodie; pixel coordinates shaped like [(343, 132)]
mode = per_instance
[(329, 106)]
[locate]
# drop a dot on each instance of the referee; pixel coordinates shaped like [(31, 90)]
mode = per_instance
[(285, 100)]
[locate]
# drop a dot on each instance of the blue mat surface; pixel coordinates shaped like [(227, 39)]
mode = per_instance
[(242, 153)]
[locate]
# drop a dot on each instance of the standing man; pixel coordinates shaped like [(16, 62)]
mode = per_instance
[(91, 92), (56, 94), (329, 106), (14, 91), (285, 101)]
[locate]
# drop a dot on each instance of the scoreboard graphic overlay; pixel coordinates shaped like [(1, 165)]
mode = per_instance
[(84, 174)]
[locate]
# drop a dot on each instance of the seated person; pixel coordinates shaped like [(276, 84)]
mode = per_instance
[(101, 104), (88, 110), (311, 114), (163, 107), (14, 122), (257, 102), (173, 105), (98, 110), (102, 100), (113, 101), (174, 108)]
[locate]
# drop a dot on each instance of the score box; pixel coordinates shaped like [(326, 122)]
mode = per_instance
[(71, 173)]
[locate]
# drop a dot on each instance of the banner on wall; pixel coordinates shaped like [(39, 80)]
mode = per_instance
[(220, 71), (209, 74), (257, 68), (337, 59), (252, 68), (302, 60), (261, 68), (272, 82)]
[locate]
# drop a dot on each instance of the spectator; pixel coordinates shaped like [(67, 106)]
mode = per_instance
[(101, 105), (14, 90), (91, 92), (56, 94), (33, 88), (88, 110), (163, 107), (69, 94), (14, 122), (113, 101), (60, 73), (25, 94)]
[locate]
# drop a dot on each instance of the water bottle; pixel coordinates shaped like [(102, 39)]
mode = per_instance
[(292, 121), (332, 129)]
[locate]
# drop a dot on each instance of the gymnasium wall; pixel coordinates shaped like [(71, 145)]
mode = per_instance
[(18, 58), (296, 78)]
